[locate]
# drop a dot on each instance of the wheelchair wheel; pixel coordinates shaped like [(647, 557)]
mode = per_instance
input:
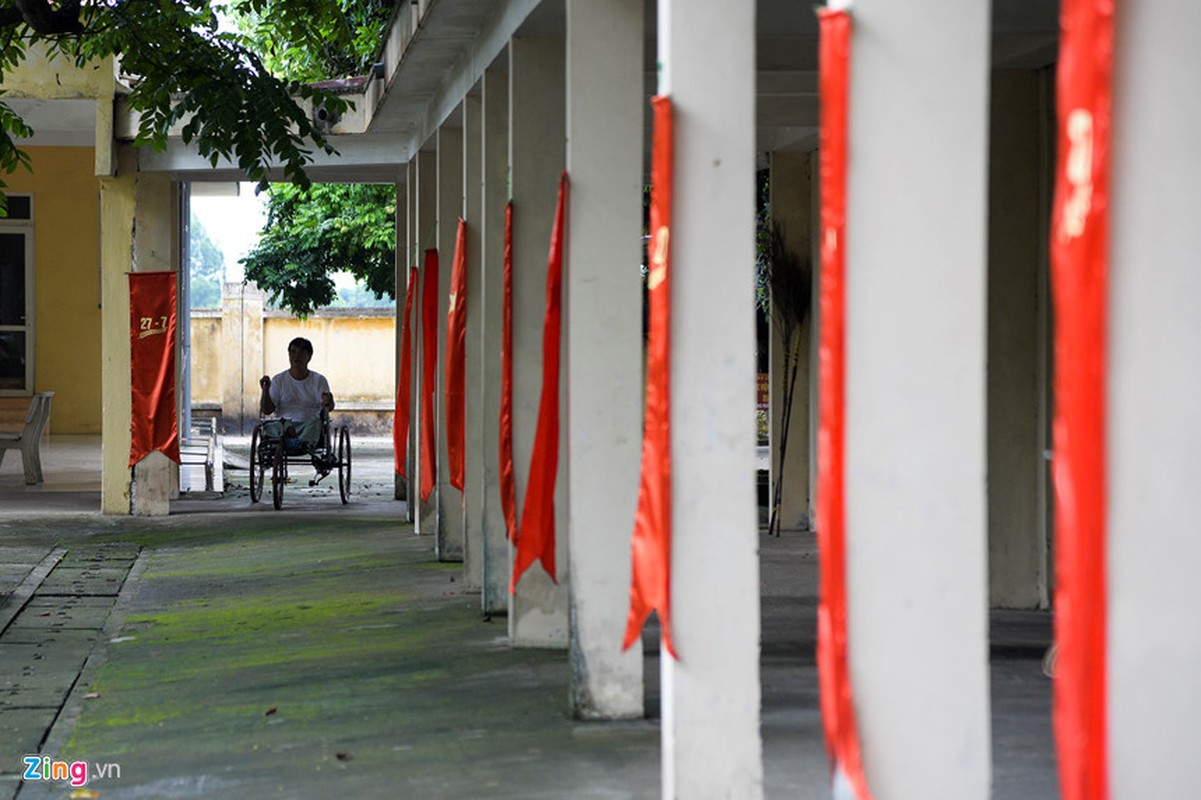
[(257, 466), (279, 476), (344, 464)]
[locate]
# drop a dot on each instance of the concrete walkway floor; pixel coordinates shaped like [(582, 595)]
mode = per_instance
[(231, 651)]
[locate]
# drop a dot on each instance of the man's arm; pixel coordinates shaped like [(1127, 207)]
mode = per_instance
[(327, 397), (266, 404)]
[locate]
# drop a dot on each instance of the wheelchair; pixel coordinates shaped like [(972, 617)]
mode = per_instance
[(272, 450)]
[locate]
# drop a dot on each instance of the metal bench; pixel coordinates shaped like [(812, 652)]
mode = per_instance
[(30, 438)]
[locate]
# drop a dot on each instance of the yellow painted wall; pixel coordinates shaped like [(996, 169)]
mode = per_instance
[(206, 359), (66, 283), (44, 78), (356, 354)]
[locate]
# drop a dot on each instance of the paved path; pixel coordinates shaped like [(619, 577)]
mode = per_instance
[(234, 651), (54, 608)]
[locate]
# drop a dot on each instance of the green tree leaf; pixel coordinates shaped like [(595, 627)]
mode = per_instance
[(311, 234)]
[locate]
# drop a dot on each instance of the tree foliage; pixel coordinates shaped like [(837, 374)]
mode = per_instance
[(332, 39), (218, 85), (327, 228), (206, 267)]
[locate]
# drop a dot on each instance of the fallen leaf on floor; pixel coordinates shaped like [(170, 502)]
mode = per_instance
[(271, 711)]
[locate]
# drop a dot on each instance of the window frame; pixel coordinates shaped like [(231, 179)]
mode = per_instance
[(24, 227)]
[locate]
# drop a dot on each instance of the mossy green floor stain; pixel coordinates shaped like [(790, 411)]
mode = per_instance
[(310, 662)]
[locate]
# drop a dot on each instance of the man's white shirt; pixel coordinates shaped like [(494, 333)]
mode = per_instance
[(298, 400)]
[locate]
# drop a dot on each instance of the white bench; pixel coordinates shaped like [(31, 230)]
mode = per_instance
[(30, 438)]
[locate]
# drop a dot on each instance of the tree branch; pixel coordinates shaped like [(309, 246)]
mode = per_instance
[(38, 14)]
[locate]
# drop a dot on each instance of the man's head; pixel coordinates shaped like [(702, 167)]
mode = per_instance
[(300, 350)]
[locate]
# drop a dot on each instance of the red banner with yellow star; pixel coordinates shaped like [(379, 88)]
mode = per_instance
[(456, 361), (650, 584)]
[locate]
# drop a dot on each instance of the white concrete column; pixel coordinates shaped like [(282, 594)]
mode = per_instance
[(412, 259), (154, 250), (917, 570), (425, 235), (401, 483), (711, 697), (1017, 208), (1154, 430), (474, 422), (494, 149), (538, 611), (449, 545), (603, 325), (117, 207), (791, 207)]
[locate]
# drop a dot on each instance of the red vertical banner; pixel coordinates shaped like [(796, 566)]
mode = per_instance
[(536, 537), (1079, 281), (456, 360), (154, 424), (429, 369), (404, 387), (650, 584), (508, 486), (837, 704)]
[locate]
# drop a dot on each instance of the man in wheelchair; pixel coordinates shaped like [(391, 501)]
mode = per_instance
[(299, 397)]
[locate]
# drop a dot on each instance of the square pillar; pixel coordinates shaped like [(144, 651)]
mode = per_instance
[(401, 485), (449, 544), (494, 173), (1154, 433), (711, 696), (538, 610), (117, 206), (425, 232), (915, 482), (603, 324), (474, 422)]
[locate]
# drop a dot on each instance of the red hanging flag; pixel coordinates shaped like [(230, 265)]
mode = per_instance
[(404, 389), (650, 584), (508, 486), (456, 360), (429, 367), (536, 540), (152, 324), (837, 705), (1079, 277)]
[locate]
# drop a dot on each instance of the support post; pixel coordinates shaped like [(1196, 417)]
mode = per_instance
[(425, 231), (711, 742), (1154, 434), (917, 557), (449, 544), (495, 176), (538, 611), (474, 422), (603, 324)]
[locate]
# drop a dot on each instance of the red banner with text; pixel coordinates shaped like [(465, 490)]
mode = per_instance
[(404, 387), (1079, 281), (154, 424), (650, 584), (833, 662), (536, 538)]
